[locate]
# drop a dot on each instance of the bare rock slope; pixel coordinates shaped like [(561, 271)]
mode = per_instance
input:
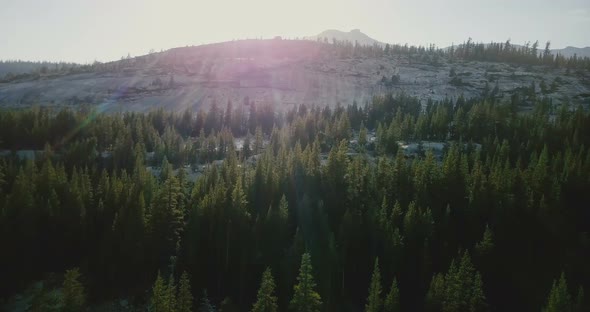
[(281, 72)]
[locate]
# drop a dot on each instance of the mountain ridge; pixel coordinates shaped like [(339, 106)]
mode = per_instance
[(354, 35), (281, 72)]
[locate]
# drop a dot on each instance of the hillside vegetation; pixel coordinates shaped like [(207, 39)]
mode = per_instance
[(498, 221)]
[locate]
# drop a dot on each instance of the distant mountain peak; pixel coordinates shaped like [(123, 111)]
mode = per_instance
[(569, 51), (354, 35)]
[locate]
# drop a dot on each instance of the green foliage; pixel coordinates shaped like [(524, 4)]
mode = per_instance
[(160, 296), (74, 297), (460, 289), (477, 302), (258, 141), (559, 298), (166, 218), (392, 301), (362, 136), (132, 207), (171, 294), (238, 197), (266, 300), (184, 301), (44, 300), (436, 293), (205, 305), (486, 245), (374, 301), (305, 298)]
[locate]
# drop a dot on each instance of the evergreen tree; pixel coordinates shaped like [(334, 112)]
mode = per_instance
[(258, 141), (171, 294), (397, 216), (362, 136), (246, 146), (486, 245), (547, 53), (184, 301), (305, 298), (74, 298), (559, 297), (463, 287), (392, 300), (477, 302), (266, 300), (160, 296), (44, 300), (166, 219), (374, 302), (227, 118), (205, 305), (436, 293)]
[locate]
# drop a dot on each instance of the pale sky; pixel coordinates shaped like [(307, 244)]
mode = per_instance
[(104, 30)]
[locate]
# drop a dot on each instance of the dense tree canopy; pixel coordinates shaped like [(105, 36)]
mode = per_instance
[(485, 222)]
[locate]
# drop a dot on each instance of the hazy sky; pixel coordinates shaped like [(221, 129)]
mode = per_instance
[(88, 30)]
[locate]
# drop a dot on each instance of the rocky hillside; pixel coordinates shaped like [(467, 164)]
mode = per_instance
[(285, 73)]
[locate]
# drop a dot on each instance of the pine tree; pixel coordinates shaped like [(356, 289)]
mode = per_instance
[(463, 287), (184, 301), (397, 215), (74, 298), (486, 245), (166, 219), (382, 217), (238, 198), (534, 49), (246, 146), (171, 294), (547, 57), (362, 135), (477, 302), (205, 305), (559, 298), (227, 119), (392, 300), (283, 212), (258, 141), (166, 170), (44, 300), (436, 293), (305, 298), (266, 300), (160, 301), (374, 299)]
